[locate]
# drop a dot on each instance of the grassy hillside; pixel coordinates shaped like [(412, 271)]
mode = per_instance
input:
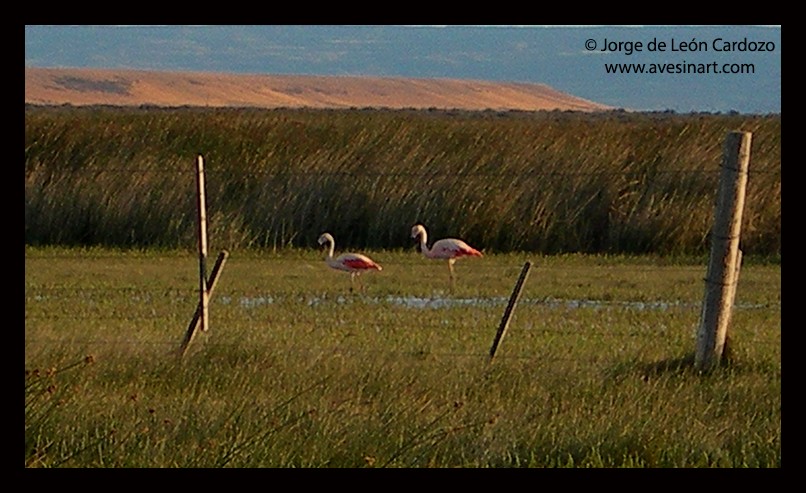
[(546, 182)]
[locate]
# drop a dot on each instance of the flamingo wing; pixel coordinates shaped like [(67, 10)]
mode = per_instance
[(453, 248), (357, 262)]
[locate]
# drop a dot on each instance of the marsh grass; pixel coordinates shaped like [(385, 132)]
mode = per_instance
[(548, 182), (297, 372)]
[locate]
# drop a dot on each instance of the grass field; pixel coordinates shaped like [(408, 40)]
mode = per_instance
[(296, 371)]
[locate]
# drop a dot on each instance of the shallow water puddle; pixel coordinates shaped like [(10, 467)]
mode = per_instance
[(439, 302)]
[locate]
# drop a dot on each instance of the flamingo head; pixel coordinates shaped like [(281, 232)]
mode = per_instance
[(325, 238), (417, 230)]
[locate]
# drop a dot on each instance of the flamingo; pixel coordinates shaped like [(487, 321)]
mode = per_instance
[(354, 263), (447, 248)]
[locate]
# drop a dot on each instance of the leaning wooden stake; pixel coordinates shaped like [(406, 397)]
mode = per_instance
[(720, 282), (195, 322), (513, 300)]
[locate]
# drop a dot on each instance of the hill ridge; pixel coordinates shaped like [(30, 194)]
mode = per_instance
[(130, 87)]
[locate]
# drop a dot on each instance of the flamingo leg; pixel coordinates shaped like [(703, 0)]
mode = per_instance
[(355, 278), (453, 275)]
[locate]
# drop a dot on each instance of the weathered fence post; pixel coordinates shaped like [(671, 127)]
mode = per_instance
[(513, 300), (723, 266), (203, 295), (206, 286)]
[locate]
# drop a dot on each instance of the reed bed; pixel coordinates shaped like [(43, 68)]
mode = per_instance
[(547, 182)]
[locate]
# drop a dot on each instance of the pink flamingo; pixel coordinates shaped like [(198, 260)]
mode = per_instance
[(448, 248), (354, 263)]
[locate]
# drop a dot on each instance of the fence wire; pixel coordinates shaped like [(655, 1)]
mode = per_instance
[(413, 174)]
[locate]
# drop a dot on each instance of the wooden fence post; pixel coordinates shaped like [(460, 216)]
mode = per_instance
[(513, 300), (202, 209), (722, 276), (201, 317)]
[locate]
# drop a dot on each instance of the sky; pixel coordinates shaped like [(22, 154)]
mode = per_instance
[(685, 68)]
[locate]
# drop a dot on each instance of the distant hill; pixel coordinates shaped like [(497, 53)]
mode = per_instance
[(58, 86)]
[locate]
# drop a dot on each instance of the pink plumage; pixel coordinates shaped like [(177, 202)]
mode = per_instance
[(354, 263), (448, 249), (452, 248)]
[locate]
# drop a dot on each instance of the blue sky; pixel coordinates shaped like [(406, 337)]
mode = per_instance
[(554, 55)]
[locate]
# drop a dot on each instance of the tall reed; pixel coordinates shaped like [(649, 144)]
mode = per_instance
[(548, 182)]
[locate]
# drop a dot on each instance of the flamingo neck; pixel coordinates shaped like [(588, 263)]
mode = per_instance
[(331, 247), (424, 244)]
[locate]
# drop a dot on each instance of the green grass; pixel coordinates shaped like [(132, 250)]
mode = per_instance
[(298, 372)]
